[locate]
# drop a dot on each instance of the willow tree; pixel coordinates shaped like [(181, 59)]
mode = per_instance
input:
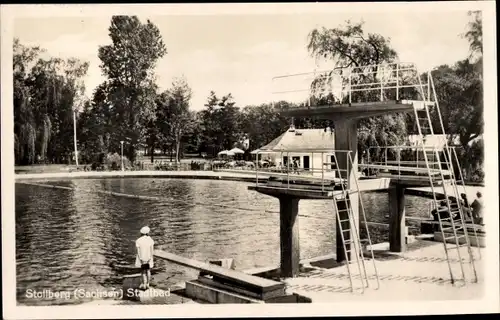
[(474, 34), (44, 96), (24, 117), (350, 47)]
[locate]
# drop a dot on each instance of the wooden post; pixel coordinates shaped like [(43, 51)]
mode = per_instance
[(346, 139), (397, 236), (289, 236)]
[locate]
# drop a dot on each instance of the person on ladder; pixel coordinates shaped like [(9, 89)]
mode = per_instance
[(442, 209)]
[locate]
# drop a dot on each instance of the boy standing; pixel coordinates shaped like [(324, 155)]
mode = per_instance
[(144, 258)]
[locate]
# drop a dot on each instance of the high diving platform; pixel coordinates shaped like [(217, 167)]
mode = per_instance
[(353, 93), (354, 111), (345, 96)]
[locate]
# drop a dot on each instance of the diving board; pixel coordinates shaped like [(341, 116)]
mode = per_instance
[(406, 162), (404, 169), (260, 286), (265, 174)]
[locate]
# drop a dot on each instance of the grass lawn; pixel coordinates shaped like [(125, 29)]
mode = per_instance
[(44, 168)]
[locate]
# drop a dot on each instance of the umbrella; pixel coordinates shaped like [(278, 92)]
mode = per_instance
[(236, 150), (259, 151), (223, 152)]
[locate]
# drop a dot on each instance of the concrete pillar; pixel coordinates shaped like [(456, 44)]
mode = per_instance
[(397, 236), (346, 139), (289, 236)]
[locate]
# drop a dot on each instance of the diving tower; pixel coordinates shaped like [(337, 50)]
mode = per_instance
[(346, 96)]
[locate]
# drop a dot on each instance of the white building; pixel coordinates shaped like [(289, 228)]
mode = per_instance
[(309, 147)]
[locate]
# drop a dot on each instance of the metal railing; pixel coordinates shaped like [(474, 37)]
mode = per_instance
[(321, 172), (388, 81), (405, 160)]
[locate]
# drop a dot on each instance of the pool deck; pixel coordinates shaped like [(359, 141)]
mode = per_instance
[(419, 274)]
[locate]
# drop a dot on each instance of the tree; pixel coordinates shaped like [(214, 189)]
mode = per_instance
[(228, 116), (24, 116), (350, 47), (220, 123), (194, 140), (129, 63), (459, 89), (474, 35), (460, 92), (179, 116), (264, 123), (46, 91)]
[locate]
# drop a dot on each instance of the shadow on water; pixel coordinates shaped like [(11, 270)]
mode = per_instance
[(67, 239)]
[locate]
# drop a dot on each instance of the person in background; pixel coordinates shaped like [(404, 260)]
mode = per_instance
[(465, 206), (465, 201), (477, 209), (296, 166), (144, 258), (443, 211)]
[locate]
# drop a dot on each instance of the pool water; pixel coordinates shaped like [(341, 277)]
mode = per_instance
[(73, 238)]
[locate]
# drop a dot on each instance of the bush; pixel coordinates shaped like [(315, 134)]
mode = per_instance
[(197, 165), (114, 161), (477, 175)]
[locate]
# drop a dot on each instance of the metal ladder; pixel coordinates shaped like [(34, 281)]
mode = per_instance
[(462, 182), (424, 125), (451, 156), (352, 246)]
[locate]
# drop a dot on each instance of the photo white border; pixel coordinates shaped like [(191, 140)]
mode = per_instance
[(490, 302)]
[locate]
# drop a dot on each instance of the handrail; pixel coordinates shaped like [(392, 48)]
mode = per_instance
[(342, 82), (414, 161), (327, 169), (397, 64)]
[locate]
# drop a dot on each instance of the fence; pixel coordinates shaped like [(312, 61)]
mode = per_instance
[(157, 166)]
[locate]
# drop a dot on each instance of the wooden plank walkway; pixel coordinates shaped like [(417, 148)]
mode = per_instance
[(257, 284)]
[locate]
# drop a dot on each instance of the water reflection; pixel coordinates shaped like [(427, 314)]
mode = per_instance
[(67, 239), (41, 243)]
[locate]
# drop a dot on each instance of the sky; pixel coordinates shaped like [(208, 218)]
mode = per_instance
[(240, 54)]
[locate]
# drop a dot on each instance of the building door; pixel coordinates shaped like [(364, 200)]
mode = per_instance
[(306, 163), (285, 161), (333, 165)]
